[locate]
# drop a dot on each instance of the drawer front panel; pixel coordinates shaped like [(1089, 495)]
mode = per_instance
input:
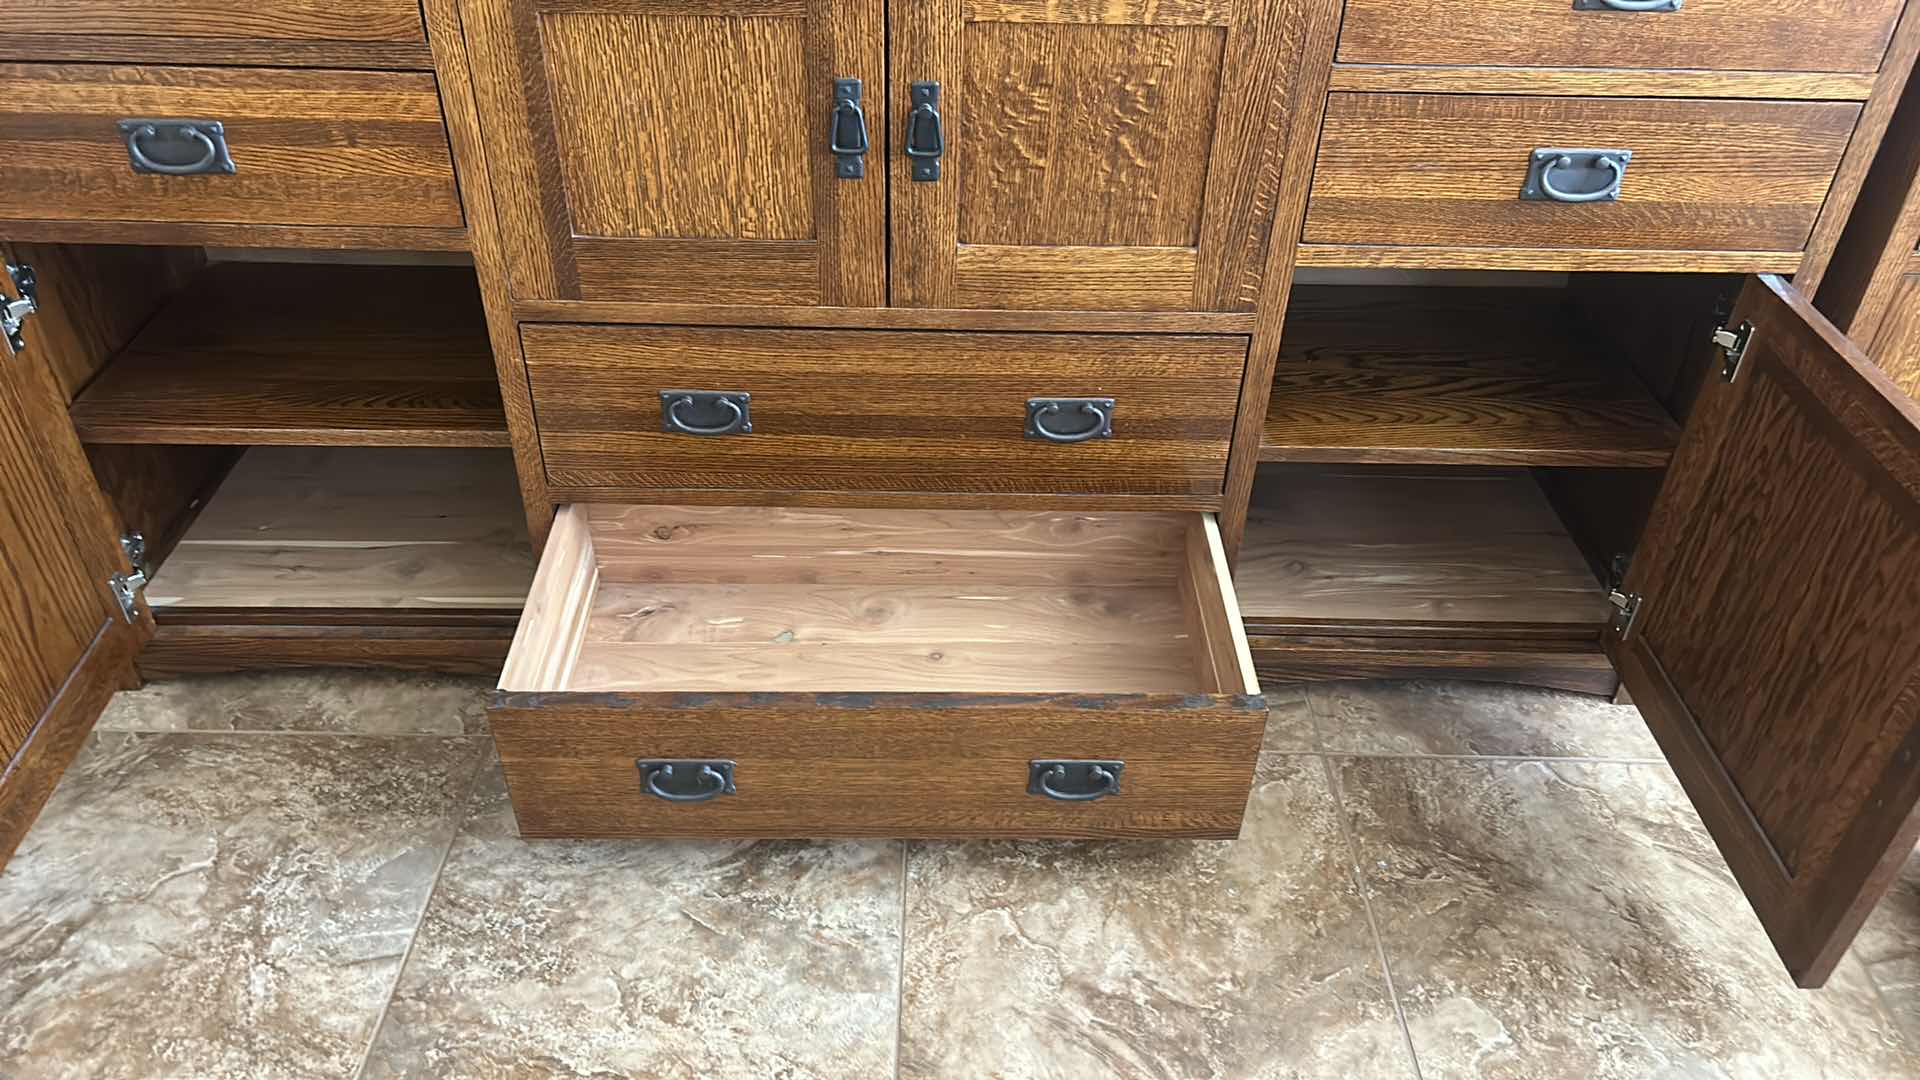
[(1749, 35), (349, 148), (882, 410), (1419, 169), (363, 32), (877, 765)]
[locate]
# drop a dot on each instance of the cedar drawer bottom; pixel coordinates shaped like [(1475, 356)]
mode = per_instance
[(316, 148), (1441, 170), (879, 411), (878, 673)]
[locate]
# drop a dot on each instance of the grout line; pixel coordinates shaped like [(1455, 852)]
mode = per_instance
[(1366, 904), (900, 971), (1893, 1018), (464, 807), (1496, 758)]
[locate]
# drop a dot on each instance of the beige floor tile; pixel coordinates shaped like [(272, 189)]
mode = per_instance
[(1153, 959), (659, 960), (1465, 718), (1289, 719), (1889, 945), (208, 906), (348, 702), (1547, 920)]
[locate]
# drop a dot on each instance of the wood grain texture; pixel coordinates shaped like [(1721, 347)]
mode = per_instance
[(1303, 655), (339, 33), (1070, 128), (1792, 514), (1604, 82), (1386, 545), (1218, 640), (1872, 259), (607, 190), (1797, 35), (1144, 322), (106, 293), (343, 527), (347, 148), (1896, 347), (561, 598), (1481, 257), (207, 649), (881, 410), (877, 764), (265, 353), (1425, 170), (464, 135), (1453, 375), (240, 235), (157, 491)]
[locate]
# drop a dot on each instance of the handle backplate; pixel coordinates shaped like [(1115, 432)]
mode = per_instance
[(706, 412), (1626, 5), (1070, 780), (1069, 420), (177, 147), (685, 781), (1558, 174), (926, 140), (847, 131)]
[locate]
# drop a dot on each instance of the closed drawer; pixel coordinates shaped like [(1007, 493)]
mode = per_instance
[(1747, 35), (1427, 169), (879, 410), (878, 673), (351, 148), (365, 32)]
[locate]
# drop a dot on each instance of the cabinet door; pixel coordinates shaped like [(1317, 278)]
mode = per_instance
[(1775, 651), (64, 645), (676, 151), (1118, 156)]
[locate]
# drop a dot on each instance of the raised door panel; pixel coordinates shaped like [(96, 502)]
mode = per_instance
[(1120, 155), (676, 151), (1776, 648)]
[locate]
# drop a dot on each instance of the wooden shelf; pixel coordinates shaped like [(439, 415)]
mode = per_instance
[(301, 354), (354, 528), (1438, 551), (1463, 376)]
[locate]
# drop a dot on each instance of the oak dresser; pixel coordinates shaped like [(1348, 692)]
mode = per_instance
[(935, 417)]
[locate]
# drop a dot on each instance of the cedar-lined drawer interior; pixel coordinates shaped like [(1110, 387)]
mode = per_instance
[(1439, 169), (880, 410), (879, 672), (268, 146)]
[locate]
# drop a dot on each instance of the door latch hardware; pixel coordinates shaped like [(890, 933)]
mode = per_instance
[(847, 131), (1074, 781), (1733, 343), (25, 302), (126, 590), (925, 141), (686, 781), (134, 543), (1626, 608)]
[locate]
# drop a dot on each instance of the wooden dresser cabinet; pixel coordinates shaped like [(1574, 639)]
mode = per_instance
[(935, 417)]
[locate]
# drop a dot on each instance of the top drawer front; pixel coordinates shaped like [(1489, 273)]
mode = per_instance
[(879, 410), (371, 33), (1448, 170), (348, 148), (1743, 35)]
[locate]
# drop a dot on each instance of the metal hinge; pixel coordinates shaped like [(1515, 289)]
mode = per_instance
[(126, 589), (1626, 608), (14, 311), (1733, 343), (134, 543)]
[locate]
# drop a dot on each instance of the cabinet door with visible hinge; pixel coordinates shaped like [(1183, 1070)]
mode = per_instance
[(64, 642), (1121, 155), (686, 151), (1771, 623)]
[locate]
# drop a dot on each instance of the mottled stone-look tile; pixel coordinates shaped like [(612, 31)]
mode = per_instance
[(1465, 718), (658, 959), (1889, 944), (1168, 959), (1550, 919), (1289, 719), (214, 906), (348, 702)]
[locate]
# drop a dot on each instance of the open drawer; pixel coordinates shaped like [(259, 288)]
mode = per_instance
[(782, 672)]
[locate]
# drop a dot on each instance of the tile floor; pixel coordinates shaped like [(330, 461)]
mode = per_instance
[(317, 875)]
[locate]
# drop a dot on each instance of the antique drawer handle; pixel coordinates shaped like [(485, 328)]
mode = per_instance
[(1074, 781), (687, 781), (206, 140), (847, 131), (1099, 411), (734, 409), (1626, 5), (925, 141), (1611, 165)]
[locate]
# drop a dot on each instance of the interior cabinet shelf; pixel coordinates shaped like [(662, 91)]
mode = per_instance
[(1334, 549), (301, 354), (1463, 376)]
